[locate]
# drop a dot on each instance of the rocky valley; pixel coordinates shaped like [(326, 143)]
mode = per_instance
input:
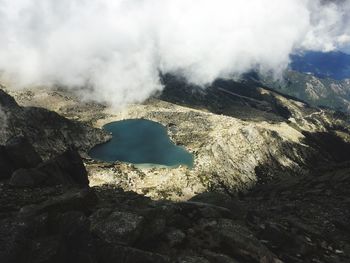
[(175, 131), (270, 182), (239, 133)]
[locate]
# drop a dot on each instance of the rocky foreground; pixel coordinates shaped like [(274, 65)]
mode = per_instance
[(48, 213)]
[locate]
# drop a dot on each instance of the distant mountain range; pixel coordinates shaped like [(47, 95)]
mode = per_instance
[(320, 79), (316, 91), (334, 65)]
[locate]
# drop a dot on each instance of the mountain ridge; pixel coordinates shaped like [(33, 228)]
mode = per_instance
[(240, 134)]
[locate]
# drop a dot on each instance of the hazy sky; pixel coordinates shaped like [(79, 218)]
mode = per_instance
[(113, 50), (346, 49)]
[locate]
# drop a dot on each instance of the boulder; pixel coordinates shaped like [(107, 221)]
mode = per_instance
[(28, 178), (67, 169), (222, 200), (175, 237), (73, 200), (218, 258), (76, 242), (21, 153), (6, 166), (122, 254), (17, 153), (238, 241), (72, 164), (116, 227), (54, 174), (234, 240), (46, 238), (6, 101)]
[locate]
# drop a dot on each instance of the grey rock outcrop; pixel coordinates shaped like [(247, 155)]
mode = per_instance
[(22, 164), (27, 178), (47, 131), (21, 153), (6, 167), (66, 169), (17, 153), (49, 214), (293, 219)]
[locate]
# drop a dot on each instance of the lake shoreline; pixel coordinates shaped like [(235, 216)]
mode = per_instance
[(143, 143)]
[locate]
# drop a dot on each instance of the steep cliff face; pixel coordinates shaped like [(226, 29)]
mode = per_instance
[(49, 132)]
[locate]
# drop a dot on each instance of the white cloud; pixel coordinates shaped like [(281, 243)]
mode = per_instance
[(115, 48)]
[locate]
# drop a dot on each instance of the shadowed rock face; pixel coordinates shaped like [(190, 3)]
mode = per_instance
[(21, 153), (6, 168), (294, 219), (7, 101), (49, 132), (20, 163), (235, 99), (17, 153)]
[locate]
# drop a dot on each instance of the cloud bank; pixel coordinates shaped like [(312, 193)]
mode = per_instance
[(113, 50)]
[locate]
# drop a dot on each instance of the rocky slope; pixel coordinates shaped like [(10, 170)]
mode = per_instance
[(240, 133), (293, 219), (324, 92), (49, 132), (290, 159)]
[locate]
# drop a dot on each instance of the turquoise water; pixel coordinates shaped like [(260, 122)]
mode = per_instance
[(140, 141)]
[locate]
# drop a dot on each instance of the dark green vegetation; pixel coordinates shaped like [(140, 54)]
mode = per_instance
[(141, 142)]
